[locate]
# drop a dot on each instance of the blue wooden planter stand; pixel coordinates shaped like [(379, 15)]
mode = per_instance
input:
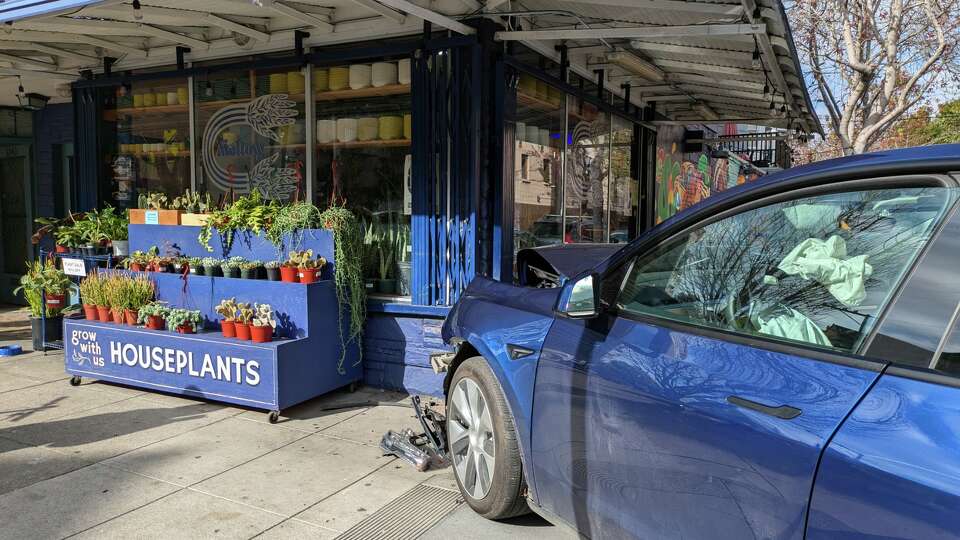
[(302, 362)]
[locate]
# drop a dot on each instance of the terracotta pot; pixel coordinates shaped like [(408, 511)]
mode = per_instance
[(308, 275), (290, 274), (261, 334), (61, 249), (155, 322), (185, 329), (90, 312), (56, 301), (103, 314), (117, 316), (136, 267), (130, 317), (228, 328), (243, 330)]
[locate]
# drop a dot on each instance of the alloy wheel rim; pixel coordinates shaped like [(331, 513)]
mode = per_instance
[(472, 442)]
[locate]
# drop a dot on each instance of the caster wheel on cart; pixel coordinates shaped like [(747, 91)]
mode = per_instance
[(273, 416), (75, 380)]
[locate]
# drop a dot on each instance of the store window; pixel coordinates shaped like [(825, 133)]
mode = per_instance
[(251, 133), (624, 187), (363, 160), (152, 150), (587, 164), (537, 158)]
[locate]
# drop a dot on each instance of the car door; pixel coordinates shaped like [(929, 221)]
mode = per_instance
[(697, 404)]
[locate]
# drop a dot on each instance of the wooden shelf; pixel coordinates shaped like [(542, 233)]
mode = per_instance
[(537, 103), (181, 153), (349, 93), (378, 143), (157, 109)]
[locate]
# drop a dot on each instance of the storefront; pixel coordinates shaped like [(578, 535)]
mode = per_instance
[(453, 137)]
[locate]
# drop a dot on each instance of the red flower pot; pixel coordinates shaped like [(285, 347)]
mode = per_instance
[(103, 313), (155, 322), (289, 274), (185, 329), (56, 301), (308, 275), (261, 334), (136, 267), (117, 315), (228, 328), (61, 249), (243, 330), (130, 317), (90, 312)]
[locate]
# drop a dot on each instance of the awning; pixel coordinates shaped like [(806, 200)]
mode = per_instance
[(693, 61)]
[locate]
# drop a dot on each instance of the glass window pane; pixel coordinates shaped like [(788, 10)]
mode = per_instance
[(537, 148), (252, 133), (625, 190), (816, 270), (152, 122), (363, 160), (587, 165)]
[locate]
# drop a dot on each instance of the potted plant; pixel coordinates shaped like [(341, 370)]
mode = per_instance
[(157, 205), (196, 265), (139, 292), (113, 225), (404, 269), (263, 324), (44, 276), (179, 264), (137, 261), (386, 285), (250, 270), (227, 309), (273, 270), (243, 320), (116, 293), (289, 271), (184, 321), (153, 315), (91, 295), (211, 266), (230, 268), (194, 207), (68, 239)]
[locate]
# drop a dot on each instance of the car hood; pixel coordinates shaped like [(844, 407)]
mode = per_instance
[(563, 262)]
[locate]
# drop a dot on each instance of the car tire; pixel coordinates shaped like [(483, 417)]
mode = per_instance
[(506, 489)]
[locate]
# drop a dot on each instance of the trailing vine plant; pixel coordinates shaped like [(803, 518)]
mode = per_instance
[(347, 275), (292, 219)]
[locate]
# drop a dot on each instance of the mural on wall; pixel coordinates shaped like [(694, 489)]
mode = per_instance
[(684, 179)]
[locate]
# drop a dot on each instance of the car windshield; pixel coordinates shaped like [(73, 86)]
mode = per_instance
[(816, 270)]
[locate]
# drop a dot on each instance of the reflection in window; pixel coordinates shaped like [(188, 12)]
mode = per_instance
[(587, 168), (815, 270), (537, 148), (624, 190)]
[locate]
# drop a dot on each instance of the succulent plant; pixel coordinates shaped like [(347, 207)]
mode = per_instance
[(264, 316), (244, 313), (227, 308)]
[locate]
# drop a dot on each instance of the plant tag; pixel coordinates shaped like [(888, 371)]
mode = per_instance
[(151, 217), (74, 267)]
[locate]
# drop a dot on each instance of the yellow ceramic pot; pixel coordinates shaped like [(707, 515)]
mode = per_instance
[(407, 126), (138, 100), (321, 80), (295, 82), (183, 95), (367, 129), (339, 78), (391, 127), (278, 83), (149, 100), (160, 98)]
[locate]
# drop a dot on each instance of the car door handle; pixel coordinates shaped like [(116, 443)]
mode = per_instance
[(784, 412)]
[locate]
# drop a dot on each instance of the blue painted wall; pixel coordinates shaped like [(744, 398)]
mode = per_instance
[(52, 125), (396, 353)]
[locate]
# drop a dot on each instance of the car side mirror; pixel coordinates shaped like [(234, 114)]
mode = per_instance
[(580, 299)]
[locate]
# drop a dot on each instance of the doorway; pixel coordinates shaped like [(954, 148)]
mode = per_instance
[(16, 216)]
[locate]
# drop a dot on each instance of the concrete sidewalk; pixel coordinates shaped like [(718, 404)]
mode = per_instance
[(106, 461)]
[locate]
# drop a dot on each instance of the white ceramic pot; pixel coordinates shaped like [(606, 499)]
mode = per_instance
[(533, 134), (326, 131), (403, 71), (520, 133), (545, 136), (384, 73), (367, 129), (173, 98), (360, 76), (121, 248), (346, 129)]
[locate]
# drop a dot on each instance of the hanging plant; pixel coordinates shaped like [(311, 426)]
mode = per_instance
[(292, 219), (347, 275)]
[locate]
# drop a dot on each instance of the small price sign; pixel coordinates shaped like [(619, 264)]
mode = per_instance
[(151, 217), (74, 267)]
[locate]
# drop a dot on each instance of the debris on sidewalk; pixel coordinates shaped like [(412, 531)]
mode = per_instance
[(425, 451)]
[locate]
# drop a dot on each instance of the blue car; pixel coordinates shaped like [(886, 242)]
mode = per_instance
[(779, 361)]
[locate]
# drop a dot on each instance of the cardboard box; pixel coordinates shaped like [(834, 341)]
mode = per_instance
[(195, 220)]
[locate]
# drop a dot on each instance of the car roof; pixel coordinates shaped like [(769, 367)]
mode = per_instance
[(914, 160)]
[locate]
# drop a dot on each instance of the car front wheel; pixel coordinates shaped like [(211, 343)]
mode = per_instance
[(483, 443)]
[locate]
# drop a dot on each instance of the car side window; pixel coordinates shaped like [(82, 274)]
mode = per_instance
[(948, 361), (816, 270)]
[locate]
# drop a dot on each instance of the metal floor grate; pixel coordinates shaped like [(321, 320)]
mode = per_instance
[(406, 517)]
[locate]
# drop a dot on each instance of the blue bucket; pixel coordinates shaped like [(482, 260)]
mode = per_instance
[(10, 350)]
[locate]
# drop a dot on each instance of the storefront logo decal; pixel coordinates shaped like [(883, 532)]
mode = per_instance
[(263, 115)]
